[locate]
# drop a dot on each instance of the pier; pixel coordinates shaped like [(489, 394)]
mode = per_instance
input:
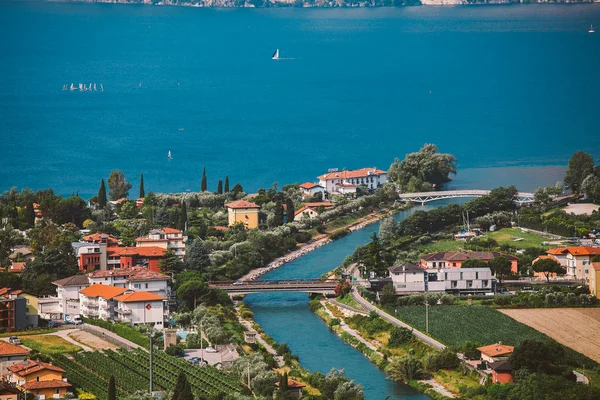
[(425, 197)]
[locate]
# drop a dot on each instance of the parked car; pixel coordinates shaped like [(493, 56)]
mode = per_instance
[(211, 350), (14, 340), (195, 360)]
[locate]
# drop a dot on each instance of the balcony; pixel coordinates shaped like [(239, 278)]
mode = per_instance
[(104, 307), (122, 311), (92, 313), (90, 304)]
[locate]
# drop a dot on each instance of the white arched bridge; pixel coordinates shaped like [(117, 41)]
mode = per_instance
[(425, 197), (261, 286)]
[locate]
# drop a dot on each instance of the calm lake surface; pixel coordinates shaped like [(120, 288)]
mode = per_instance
[(501, 87)]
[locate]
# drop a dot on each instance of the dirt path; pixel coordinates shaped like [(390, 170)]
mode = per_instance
[(576, 328), (92, 341)]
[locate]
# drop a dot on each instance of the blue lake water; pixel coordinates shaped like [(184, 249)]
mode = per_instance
[(498, 86)]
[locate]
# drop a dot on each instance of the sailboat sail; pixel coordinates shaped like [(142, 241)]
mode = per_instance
[(591, 29), (169, 156), (276, 55)]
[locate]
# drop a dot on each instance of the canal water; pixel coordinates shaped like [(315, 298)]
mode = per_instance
[(287, 318)]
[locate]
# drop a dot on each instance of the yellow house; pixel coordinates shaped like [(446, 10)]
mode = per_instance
[(245, 212), (594, 281), (39, 378)]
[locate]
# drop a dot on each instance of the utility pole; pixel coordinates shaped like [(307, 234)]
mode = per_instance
[(151, 346), (249, 376), (426, 316), (201, 343)]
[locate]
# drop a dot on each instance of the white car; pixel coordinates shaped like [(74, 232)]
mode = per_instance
[(211, 350)]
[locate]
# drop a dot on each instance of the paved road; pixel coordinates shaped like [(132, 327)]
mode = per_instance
[(418, 334)]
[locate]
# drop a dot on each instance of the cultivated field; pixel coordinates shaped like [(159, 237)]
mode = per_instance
[(576, 328)]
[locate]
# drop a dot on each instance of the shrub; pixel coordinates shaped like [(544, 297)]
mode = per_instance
[(447, 299), (334, 322), (399, 336), (314, 305), (175, 350), (445, 359), (339, 234)]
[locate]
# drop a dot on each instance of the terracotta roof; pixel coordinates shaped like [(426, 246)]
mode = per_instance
[(309, 185), (138, 296), (405, 267), (557, 251), (99, 238), (325, 204), (465, 255), (221, 228), (6, 388), (28, 367), (136, 273), (495, 350), (51, 384), (75, 280), (357, 173), (148, 251), (501, 366), (171, 230), (11, 349), (17, 267), (241, 204), (292, 384), (301, 210), (105, 291)]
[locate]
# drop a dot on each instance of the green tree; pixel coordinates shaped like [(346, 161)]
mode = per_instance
[(226, 183), (289, 210), (102, 195), (580, 166), (388, 295), (29, 216), (182, 220), (423, 170), (538, 356), (278, 213), (112, 390), (170, 262), (129, 210), (197, 257), (180, 385), (72, 209), (399, 336), (372, 256), (220, 187), (405, 369), (548, 266), (142, 191), (474, 263), (193, 292), (237, 189), (54, 263), (128, 236), (203, 184), (591, 187), (501, 267), (118, 185)]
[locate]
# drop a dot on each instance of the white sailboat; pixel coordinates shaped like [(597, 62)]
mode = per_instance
[(101, 88), (275, 55), (80, 87), (73, 87), (591, 29), (169, 156), (95, 87)]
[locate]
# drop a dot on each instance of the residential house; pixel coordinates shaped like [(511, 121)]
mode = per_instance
[(90, 256), (101, 238), (13, 310), (244, 212), (541, 274), (294, 387), (136, 278), (496, 352), (10, 354), (305, 212), (576, 259), (594, 282), (410, 278), (501, 371), (346, 182), (310, 189), (31, 307), (148, 257), (66, 300), (16, 267), (140, 308), (41, 379), (96, 301), (9, 392), (454, 259), (168, 238)]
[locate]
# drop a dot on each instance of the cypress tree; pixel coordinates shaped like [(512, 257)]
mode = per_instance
[(30, 215), (102, 195), (289, 212), (203, 184), (182, 216), (186, 393), (142, 191), (283, 382), (179, 386), (226, 183), (112, 390), (278, 213), (220, 187)]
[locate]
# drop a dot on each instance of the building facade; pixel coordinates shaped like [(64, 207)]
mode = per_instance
[(167, 238), (41, 379), (13, 310), (454, 259), (10, 354), (243, 212), (410, 278), (576, 259), (345, 182), (140, 308)]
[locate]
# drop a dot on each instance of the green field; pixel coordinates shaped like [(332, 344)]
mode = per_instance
[(49, 344), (454, 325), (507, 236)]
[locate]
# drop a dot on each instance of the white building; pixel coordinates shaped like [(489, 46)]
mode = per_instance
[(136, 278), (410, 278), (140, 308), (345, 182), (305, 212), (66, 300), (167, 238), (310, 189), (96, 301)]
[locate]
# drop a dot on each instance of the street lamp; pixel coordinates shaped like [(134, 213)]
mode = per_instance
[(151, 336)]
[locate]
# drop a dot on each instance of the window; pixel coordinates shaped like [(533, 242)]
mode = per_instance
[(453, 284), (137, 286), (445, 276), (476, 275), (434, 264), (37, 378), (484, 283), (469, 284), (454, 264), (461, 276), (146, 286)]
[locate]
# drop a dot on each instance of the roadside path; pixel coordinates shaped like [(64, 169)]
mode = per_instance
[(418, 334), (110, 336), (438, 387), (266, 345)]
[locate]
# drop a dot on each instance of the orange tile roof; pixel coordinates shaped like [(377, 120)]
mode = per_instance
[(51, 384), (357, 173), (136, 273), (241, 204), (149, 251), (28, 367), (17, 267), (575, 250), (139, 296), (221, 228), (11, 349), (495, 350), (292, 384), (557, 250), (309, 185), (105, 291), (99, 237), (300, 210), (170, 230)]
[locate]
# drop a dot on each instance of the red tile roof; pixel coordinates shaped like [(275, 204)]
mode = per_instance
[(17, 267), (99, 238), (292, 384), (28, 367), (575, 250), (241, 204), (51, 384), (139, 296), (221, 228), (105, 291), (301, 210), (309, 185), (495, 350), (357, 173), (11, 349), (147, 251), (170, 230)]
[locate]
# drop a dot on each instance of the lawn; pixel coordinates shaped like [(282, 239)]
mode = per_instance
[(49, 344), (507, 236), (454, 325)]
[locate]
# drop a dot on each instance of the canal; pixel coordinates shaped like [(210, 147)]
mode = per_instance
[(287, 318)]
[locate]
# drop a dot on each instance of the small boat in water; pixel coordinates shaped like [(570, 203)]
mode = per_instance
[(275, 55), (591, 29), (101, 88), (169, 156), (72, 88)]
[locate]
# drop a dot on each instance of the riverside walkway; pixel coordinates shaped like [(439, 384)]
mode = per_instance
[(261, 286), (425, 197)]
